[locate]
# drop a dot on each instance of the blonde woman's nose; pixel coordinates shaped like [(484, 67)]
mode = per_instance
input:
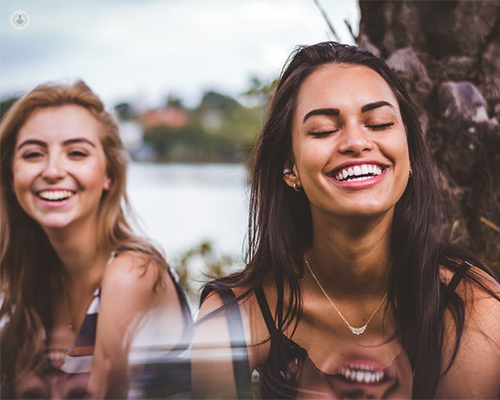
[(54, 169)]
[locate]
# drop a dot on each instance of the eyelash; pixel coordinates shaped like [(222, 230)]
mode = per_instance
[(320, 134), (378, 127), (31, 155), (77, 153), (35, 154)]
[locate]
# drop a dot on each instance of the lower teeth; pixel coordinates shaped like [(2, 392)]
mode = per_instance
[(54, 200), (361, 178)]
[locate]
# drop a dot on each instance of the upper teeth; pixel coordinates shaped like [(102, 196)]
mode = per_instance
[(55, 194), (358, 170), (362, 374)]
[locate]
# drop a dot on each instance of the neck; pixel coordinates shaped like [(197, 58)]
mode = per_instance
[(79, 252), (351, 257)]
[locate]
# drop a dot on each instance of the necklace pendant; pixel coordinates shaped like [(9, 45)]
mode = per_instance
[(358, 331)]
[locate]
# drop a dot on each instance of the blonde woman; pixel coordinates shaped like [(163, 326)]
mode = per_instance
[(76, 281)]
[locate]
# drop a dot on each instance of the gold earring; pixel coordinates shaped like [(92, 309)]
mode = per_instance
[(296, 187), (411, 172)]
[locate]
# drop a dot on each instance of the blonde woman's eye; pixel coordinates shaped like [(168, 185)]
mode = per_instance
[(77, 154), (32, 155)]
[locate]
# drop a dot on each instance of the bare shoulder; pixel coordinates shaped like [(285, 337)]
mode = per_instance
[(139, 276), (480, 293), (475, 372), (256, 334), (217, 342), (132, 265)]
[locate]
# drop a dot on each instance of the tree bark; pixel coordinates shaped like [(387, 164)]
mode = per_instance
[(448, 54)]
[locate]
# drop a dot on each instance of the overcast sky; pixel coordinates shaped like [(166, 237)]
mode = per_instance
[(143, 50)]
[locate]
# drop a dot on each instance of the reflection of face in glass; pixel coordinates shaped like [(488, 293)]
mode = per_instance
[(52, 385), (362, 373), (46, 382)]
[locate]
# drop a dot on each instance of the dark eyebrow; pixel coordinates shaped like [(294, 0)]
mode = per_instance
[(333, 112), (65, 143), (377, 104), (32, 141), (78, 140)]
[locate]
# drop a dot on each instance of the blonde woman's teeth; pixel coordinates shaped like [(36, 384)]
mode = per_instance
[(358, 172), (55, 195)]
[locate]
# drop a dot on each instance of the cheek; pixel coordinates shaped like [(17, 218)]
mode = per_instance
[(93, 174), (21, 178), (397, 150), (311, 153)]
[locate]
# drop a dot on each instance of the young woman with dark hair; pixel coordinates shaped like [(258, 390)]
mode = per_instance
[(77, 283), (349, 289)]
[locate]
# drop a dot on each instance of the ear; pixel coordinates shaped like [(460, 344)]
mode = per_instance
[(107, 183), (291, 175)]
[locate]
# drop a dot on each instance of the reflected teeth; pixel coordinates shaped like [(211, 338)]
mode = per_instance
[(362, 374), (358, 173), (55, 355), (55, 195)]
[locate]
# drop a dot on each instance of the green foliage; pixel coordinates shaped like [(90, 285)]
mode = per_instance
[(6, 104), (219, 130), (491, 244), (200, 263), (260, 92)]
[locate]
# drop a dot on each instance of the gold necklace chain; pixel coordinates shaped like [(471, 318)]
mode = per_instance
[(71, 325), (356, 331)]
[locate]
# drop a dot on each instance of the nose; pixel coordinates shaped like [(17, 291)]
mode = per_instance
[(54, 169), (354, 140)]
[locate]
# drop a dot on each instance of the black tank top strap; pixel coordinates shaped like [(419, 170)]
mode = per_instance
[(458, 276), (241, 366), (266, 312), (186, 311)]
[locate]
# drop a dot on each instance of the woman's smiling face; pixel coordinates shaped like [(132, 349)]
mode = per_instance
[(59, 166), (350, 152)]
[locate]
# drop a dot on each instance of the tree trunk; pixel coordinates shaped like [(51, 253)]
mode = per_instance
[(448, 54)]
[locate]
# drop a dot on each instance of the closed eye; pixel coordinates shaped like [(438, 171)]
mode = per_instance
[(320, 134), (380, 127)]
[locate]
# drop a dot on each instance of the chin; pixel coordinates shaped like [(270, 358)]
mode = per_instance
[(368, 209), (53, 223), (364, 212)]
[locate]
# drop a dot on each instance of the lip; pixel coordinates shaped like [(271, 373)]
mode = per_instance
[(364, 184), (353, 163), (360, 363), (367, 183), (54, 204), (372, 369)]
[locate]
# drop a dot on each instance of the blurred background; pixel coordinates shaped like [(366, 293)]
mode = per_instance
[(189, 82)]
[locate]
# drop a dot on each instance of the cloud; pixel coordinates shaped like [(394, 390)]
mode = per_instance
[(144, 49)]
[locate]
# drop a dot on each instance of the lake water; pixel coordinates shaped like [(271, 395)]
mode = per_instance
[(181, 205)]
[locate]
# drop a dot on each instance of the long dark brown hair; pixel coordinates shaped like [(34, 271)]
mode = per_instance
[(280, 224), (30, 266)]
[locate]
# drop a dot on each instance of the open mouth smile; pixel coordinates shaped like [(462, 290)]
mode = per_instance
[(55, 195), (362, 374), (357, 173)]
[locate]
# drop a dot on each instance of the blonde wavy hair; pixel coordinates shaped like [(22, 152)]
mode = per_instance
[(30, 265)]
